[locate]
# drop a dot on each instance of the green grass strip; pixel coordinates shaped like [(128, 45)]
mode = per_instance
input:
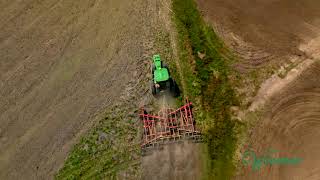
[(109, 149), (207, 84)]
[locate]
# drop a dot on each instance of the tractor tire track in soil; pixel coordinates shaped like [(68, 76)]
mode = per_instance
[(173, 161)]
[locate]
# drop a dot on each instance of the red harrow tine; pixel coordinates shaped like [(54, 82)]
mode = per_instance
[(167, 125)]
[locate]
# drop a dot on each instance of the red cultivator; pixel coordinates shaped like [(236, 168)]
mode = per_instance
[(169, 125)]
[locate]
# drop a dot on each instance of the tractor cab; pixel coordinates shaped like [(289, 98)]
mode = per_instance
[(161, 79), (160, 71)]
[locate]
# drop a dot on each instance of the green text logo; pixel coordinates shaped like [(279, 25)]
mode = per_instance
[(250, 159)]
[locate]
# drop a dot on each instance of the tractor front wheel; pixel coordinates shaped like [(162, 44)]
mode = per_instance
[(164, 65)]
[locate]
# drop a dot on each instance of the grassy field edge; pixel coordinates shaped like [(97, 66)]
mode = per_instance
[(204, 63)]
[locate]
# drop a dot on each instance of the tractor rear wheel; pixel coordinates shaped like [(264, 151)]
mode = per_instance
[(168, 85), (174, 88), (157, 89), (153, 88)]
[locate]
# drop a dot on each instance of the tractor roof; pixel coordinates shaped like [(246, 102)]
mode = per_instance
[(161, 75)]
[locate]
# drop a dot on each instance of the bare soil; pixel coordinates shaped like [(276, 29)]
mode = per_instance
[(290, 124), (174, 161), (62, 63), (263, 32), (283, 33)]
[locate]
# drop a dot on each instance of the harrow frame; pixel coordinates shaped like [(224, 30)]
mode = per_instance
[(168, 126)]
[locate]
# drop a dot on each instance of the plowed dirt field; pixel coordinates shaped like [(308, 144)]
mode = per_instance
[(62, 63), (277, 32)]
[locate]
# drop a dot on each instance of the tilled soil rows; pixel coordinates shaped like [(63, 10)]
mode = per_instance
[(263, 32), (62, 63), (290, 125)]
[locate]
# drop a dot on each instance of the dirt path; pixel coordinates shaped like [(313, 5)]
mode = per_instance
[(174, 161), (63, 63)]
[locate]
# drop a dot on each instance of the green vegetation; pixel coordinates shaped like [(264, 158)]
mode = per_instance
[(203, 60), (110, 150)]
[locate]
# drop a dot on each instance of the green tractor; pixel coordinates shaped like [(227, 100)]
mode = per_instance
[(161, 80)]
